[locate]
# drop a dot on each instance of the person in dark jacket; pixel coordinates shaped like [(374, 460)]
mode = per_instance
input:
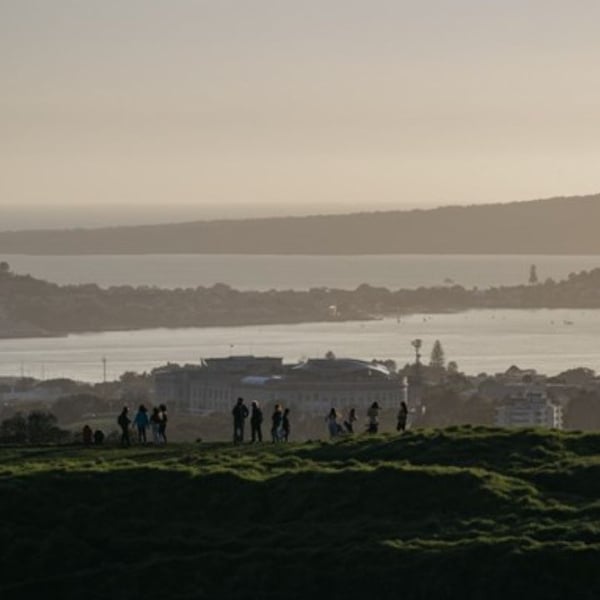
[(276, 424), (285, 424), (240, 414), (349, 422), (373, 416), (124, 422), (402, 417), (87, 435), (155, 419), (256, 419)]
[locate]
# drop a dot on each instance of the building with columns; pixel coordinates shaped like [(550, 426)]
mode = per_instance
[(310, 387)]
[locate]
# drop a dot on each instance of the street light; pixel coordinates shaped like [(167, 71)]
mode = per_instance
[(416, 344)]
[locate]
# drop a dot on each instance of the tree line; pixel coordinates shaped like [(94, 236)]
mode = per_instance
[(41, 306)]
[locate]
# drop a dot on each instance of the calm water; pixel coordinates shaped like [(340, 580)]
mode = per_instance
[(548, 340), (297, 272)]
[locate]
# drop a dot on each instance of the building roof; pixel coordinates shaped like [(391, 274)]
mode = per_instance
[(260, 379), (340, 366)]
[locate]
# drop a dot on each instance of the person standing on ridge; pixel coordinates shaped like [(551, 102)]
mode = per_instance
[(256, 419), (98, 437), (373, 415), (402, 417), (332, 423), (285, 424), (141, 421), (155, 425), (124, 421), (276, 423), (87, 435), (162, 425), (349, 422), (240, 414)]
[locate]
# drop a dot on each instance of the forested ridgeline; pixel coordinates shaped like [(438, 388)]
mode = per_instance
[(30, 306), (551, 226)]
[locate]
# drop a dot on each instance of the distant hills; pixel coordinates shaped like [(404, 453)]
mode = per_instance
[(550, 226)]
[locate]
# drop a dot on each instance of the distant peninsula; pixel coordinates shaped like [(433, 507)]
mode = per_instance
[(551, 226), (31, 307)]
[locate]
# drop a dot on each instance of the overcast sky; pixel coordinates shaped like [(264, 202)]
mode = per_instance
[(255, 106)]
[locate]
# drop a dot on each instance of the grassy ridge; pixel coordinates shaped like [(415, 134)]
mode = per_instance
[(462, 512)]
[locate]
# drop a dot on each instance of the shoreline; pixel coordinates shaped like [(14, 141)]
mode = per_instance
[(396, 317)]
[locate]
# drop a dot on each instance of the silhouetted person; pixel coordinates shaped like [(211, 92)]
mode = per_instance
[(349, 422), (373, 415), (276, 423), (285, 424), (98, 437), (87, 435), (162, 424), (155, 424), (124, 421), (402, 417), (141, 421), (256, 419), (240, 414), (332, 423)]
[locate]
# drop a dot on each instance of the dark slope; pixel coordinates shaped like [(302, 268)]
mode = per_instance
[(458, 513)]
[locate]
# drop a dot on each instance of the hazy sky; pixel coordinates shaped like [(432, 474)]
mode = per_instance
[(312, 106)]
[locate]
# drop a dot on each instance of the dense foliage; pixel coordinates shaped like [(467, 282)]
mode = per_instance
[(38, 427), (30, 306), (458, 513)]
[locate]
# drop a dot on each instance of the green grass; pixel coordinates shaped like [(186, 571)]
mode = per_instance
[(456, 513)]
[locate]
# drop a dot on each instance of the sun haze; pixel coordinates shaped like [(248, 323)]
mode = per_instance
[(230, 108)]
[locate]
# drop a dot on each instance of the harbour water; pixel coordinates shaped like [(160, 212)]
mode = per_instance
[(479, 341)]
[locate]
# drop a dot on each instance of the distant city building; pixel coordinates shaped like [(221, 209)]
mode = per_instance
[(310, 387), (533, 409)]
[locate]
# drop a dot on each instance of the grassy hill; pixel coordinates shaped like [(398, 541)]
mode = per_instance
[(552, 226), (456, 513)]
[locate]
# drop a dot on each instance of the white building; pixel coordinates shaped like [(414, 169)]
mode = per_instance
[(533, 409)]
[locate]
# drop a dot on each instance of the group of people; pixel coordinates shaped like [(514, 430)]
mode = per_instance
[(156, 422), (92, 437), (280, 422), (337, 426)]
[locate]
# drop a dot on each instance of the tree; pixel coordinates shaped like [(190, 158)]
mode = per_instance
[(437, 359), (14, 429), (533, 278), (37, 428), (330, 355), (452, 368), (42, 428)]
